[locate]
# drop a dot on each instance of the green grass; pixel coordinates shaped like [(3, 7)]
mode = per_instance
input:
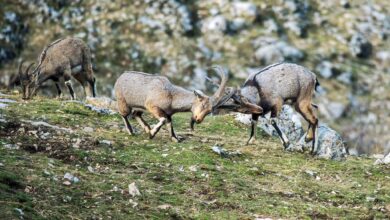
[(262, 181)]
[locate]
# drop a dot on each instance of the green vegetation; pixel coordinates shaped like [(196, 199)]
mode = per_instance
[(176, 180)]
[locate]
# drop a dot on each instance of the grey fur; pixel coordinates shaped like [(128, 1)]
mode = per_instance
[(137, 92), (67, 58), (279, 84)]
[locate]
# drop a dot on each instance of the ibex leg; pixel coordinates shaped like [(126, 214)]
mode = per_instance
[(128, 126), (158, 113), (59, 92), (252, 137), (282, 136), (138, 116), (68, 83), (170, 129)]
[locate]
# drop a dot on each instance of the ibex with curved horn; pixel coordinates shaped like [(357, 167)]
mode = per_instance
[(69, 57), (137, 92)]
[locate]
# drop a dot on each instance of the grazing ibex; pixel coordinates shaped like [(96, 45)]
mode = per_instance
[(63, 58), (136, 92), (279, 84)]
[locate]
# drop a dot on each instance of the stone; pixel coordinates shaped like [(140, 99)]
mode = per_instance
[(330, 144), (325, 69), (217, 24), (133, 190), (384, 160), (345, 77), (277, 52), (88, 129), (359, 46)]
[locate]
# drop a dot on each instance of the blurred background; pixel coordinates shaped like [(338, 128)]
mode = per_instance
[(346, 43)]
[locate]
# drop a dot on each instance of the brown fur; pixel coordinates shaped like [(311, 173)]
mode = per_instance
[(67, 58), (137, 92)]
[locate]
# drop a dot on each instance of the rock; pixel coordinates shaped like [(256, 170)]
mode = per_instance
[(289, 122), (330, 144), (345, 3), (199, 79), (384, 160), (325, 69), (244, 9), (345, 77), (277, 52), (331, 110), (164, 206), (217, 24), (88, 129), (383, 56), (106, 142), (359, 46), (271, 26), (193, 168), (11, 146), (70, 177), (133, 190)]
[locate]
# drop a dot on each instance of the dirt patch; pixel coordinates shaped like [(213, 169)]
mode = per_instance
[(56, 143)]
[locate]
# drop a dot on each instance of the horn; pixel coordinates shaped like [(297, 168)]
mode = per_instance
[(28, 68), (221, 89), (20, 68)]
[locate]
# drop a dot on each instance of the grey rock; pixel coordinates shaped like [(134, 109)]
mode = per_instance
[(217, 24), (383, 56), (384, 160), (330, 144), (325, 69), (345, 77), (345, 3), (199, 79), (359, 46), (245, 9), (88, 129), (277, 52)]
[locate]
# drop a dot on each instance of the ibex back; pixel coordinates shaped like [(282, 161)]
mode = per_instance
[(69, 57)]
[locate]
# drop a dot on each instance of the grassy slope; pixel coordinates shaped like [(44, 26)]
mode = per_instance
[(262, 181)]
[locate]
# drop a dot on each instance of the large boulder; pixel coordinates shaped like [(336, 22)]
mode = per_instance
[(330, 144)]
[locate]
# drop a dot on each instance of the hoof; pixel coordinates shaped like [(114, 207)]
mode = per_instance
[(308, 139), (287, 146), (176, 140), (251, 141)]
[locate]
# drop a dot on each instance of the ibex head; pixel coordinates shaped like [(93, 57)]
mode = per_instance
[(28, 81), (203, 104)]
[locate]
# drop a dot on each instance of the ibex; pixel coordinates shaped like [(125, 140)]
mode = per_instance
[(279, 84), (136, 92), (63, 58)]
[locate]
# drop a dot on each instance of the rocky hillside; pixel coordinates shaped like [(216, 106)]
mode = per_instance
[(346, 43), (60, 160)]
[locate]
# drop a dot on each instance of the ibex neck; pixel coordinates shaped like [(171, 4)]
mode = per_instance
[(182, 100)]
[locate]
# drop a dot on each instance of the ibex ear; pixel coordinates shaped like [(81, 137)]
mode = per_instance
[(199, 94)]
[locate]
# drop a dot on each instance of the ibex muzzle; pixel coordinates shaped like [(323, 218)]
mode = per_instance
[(137, 92)]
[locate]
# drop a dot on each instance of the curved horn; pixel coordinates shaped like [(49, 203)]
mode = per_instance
[(28, 68), (20, 68), (221, 89)]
